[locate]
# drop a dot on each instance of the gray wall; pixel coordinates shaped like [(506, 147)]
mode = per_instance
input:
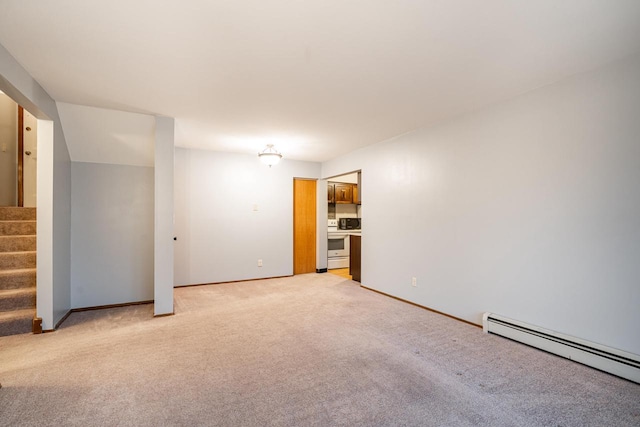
[(61, 225), (111, 234), (529, 208), (220, 235)]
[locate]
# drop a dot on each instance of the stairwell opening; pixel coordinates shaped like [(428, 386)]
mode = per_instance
[(18, 183)]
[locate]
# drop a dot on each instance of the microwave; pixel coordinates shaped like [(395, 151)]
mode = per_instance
[(349, 223)]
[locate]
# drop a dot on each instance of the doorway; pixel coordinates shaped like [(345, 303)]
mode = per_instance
[(344, 214), (304, 226)]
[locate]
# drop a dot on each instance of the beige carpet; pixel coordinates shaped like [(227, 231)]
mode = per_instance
[(311, 350)]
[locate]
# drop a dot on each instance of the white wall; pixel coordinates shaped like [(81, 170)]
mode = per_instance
[(30, 161), (111, 234), (529, 209), (351, 178), (220, 236), (54, 297), (346, 211)]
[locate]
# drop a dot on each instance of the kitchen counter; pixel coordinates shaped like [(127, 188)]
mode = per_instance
[(349, 232)]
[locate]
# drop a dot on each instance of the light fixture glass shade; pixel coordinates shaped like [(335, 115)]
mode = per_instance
[(269, 156)]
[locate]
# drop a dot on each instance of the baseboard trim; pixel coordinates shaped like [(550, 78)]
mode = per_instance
[(60, 321), (422, 307), (102, 307), (231, 281), (97, 307), (164, 315)]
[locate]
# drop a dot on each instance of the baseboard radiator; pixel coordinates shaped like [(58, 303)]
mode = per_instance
[(613, 361)]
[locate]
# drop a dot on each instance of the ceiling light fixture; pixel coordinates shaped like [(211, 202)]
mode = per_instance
[(269, 156)]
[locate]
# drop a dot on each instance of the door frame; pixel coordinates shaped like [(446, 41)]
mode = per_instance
[(20, 153)]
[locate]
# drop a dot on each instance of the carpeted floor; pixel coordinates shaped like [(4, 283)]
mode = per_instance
[(310, 350)]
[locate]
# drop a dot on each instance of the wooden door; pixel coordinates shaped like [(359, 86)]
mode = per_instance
[(304, 226)]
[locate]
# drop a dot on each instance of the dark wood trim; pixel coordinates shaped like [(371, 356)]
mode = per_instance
[(20, 156), (102, 307), (36, 327), (97, 307), (165, 314), (422, 306), (60, 321), (232, 281)]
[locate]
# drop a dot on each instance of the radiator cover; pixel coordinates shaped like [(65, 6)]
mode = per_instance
[(613, 361)]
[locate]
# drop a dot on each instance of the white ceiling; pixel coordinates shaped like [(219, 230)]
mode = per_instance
[(316, 78)]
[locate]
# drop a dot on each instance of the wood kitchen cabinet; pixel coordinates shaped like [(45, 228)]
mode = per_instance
[(342, 193), (331, 189)]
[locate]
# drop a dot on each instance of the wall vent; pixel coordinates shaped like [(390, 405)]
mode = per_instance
[(611, 360)]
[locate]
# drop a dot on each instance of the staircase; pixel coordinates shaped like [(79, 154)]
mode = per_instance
[(17, 270)]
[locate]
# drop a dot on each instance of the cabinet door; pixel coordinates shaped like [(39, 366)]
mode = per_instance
[(355, 268), (355, 193), (331, 190), (344, 193)]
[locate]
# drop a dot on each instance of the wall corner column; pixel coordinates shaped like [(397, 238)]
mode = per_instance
[(163, 221), (44, 224), (322, 209)]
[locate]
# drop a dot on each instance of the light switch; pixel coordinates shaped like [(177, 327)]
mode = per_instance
[(255, 208)]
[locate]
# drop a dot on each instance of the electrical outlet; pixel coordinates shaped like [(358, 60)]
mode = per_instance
[(259, 263), (414, 281)]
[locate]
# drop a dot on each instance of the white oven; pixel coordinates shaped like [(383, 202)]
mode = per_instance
[(338, 244), (338, 250)]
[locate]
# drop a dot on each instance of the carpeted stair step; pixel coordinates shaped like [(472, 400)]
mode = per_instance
[(17, 228), (18, 278), (17, 260), (17, 214), (17, 299), (17, 270), (17, 243), (16, 322)]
